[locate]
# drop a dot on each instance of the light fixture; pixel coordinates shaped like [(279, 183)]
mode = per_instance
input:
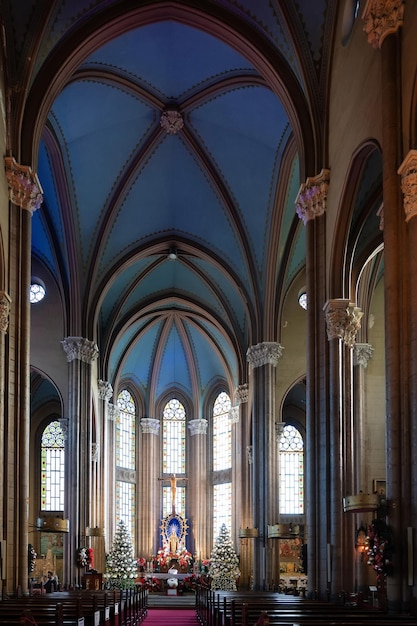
[(172, 254), (52, 524), (302, 298), (37, 290)]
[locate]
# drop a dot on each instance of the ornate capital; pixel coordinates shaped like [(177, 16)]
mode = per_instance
[(408, 173), (63, 422), (311, 200), (279, 429), (24, 187), (268, 352), (362, 353), (113, 412), (105, 390), (150, 426), (249, 454), (171, 121), (198, 427), (342, 320), (5, 301), (234, 414), (382, 17), (81, 349), (242, 393)]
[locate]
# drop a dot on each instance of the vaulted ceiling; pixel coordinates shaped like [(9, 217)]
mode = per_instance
[(183, 127)]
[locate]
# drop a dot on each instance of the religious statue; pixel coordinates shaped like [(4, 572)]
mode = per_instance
[(173, 541)]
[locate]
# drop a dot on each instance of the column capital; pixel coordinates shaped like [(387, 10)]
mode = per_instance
[(105, 390), (242, 393), (362, 353), (81, 349), (24, 187), (198, 426), (113, 412), (311, 200), (268, 352), (382, 17), (5, 301), (342, 320), (233, 414), (95, 452), (408, 173), (150, 425)]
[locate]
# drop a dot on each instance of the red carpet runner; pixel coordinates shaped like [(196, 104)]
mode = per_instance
[(173, 617)]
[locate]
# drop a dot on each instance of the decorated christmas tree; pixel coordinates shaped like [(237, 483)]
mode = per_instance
[(121, 566), (224, 563)]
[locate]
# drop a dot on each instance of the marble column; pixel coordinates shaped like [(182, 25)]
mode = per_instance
[(263, 359), (311, 204), (81, 353), (25, 197), (197, 499), (382, 19), (149, 514), (342, 323)]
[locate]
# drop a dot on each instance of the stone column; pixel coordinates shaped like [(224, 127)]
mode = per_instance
[(81, 353), (198, 502), (408, 172), (25, 196), (311, 205), (4, 324), (263, 359), (109, 469), (343, 322), (149, 514), (383, 19)]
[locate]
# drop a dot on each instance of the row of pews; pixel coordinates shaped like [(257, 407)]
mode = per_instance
[(77, 608), (220, 608)]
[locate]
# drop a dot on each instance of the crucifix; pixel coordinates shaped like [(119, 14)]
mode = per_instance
[(173, 481)]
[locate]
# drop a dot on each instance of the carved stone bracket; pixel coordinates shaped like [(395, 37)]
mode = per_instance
[(95, 452), (362, 353), (198, 427), (150, 426), (311, 200), (79, 348), (279, 429), (105, 390), (242, 393), (342, 320), (63, 422), (24, 187), (249, 453), (408, 173), (268, 352), (5, 301), (113, 412), (382, 17), (234, 414)]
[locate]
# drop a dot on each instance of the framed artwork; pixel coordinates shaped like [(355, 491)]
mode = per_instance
[(380, 487)]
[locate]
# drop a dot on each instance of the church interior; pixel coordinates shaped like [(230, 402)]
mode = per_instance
[(208, 310)]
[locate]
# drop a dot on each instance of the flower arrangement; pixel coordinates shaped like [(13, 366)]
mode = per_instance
[(379, 547), (183, 557), (85, 557)]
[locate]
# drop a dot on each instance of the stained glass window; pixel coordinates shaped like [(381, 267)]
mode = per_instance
[(291, 494), (222, 508), (52, 468), (126, 460), (222, 433), (173, 438)]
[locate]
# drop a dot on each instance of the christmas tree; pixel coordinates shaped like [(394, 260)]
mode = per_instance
[(224, 563), (121, 566)]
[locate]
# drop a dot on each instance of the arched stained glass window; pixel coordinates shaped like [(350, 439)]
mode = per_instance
[(173, 437), (222, 433), (126, 460), (52, 468), (291, 493)]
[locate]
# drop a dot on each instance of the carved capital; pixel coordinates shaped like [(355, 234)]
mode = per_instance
[(382, 17), (198, 427), (242, 393), (171, 121), (362, 353), (249, 454), (279, 429), (63, 422), (105, 390), (150, 426), (408, 173), (113, 412), (342, 320), (81, 349), (268, 352), (311, 200), (95, 452), (5, 301), (24, 187)]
